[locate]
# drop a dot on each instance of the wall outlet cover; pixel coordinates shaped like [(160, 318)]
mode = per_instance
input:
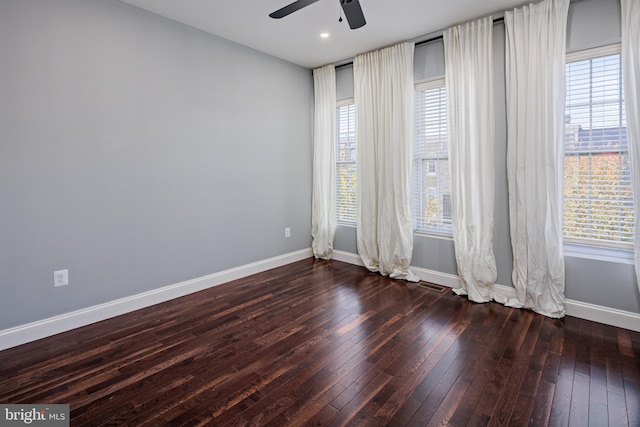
[(60, 278)]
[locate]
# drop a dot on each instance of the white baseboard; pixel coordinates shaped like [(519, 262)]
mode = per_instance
[(581, 310), (606, 315), (43, 328), (347, 257)]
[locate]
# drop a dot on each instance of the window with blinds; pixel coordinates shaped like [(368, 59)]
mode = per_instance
[(346, 179), (431, 186), (598, 204)]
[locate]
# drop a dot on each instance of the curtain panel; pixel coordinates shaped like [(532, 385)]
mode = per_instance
[(631, 75), (535, 77), (383, 92), (470, 120), (323, 209)]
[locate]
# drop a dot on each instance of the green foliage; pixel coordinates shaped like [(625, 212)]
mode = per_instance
[(597, 198), (347, 192), (432, 212)]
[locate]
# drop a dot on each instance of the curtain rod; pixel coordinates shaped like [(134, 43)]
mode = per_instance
[(420, 43)]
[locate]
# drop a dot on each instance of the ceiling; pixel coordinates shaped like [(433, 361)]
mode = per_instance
[(296, 38)]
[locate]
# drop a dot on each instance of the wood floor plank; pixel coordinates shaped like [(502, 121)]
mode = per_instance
[(598, 395), (491, 401), (546, 388), (506, 402), (616, 410), (561, 405), (327, 343), (411, 369), (579, 412), (438, 385), (632, 396), (525, 400)]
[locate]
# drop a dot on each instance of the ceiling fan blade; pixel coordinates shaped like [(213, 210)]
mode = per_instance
[(353, 13), (290, 8)]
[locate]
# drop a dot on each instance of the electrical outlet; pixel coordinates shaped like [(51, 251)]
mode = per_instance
[(60, 278), (287, 232)]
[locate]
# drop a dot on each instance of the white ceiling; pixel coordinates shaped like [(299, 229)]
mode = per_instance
[(296, 38)]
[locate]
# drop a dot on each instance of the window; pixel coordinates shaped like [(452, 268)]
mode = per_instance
[(598, 204), (346, 180), (431, 194), (446, 206), (431, 167)]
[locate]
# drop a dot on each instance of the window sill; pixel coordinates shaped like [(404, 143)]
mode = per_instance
[(346, 224), (620, 256), (433, 234)]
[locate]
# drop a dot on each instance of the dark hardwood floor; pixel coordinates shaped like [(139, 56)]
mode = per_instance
[(327, 343)]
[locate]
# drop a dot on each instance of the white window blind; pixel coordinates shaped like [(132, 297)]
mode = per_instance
[(346, 180), (431, 186), (598, 204)]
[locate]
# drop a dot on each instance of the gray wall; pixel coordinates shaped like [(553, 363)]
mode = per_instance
[(138, 153), (591, 23)]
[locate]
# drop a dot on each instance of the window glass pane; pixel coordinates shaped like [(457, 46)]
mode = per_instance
[(598, 206), (431, 200), (346, 181)]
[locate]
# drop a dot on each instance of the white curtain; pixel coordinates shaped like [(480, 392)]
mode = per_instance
[(631, 76), (323, 210), (383, 92), (470, 121), (535, 75)]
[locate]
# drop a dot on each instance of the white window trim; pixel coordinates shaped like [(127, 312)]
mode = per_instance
[(577, 250), (599, 253), (344, 103), (433, 233), (433, 83), (583, 55)]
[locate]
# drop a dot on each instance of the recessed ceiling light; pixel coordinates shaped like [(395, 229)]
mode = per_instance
[(324, 35)]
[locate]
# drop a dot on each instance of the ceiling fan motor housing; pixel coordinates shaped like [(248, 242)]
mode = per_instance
[(351, 8)]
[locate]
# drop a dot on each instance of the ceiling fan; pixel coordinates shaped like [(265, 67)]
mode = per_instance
[(351, 8)]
